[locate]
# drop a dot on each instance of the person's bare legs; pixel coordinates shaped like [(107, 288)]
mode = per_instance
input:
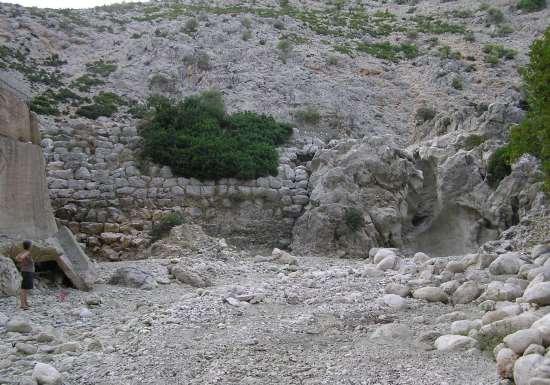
[(24, 301)]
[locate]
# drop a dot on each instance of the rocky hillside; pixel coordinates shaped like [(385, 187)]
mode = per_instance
[(439, 77), (384, 250)]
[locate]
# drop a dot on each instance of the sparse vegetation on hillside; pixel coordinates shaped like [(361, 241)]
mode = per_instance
[(101, 68), (308, 115), (105, 104), (196, 138), (532, 136), (496, 52), (389, 51), (531, 5)]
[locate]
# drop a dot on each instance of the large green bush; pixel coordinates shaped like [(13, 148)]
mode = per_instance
[(196, 138), (532, 136)]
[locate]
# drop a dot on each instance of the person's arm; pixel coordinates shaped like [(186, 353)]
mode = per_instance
[(22, 257)]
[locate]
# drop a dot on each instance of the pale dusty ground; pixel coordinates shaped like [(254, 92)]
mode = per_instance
[(311, 329)]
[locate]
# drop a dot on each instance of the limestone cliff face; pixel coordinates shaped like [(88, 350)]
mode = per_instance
[(25, 210)]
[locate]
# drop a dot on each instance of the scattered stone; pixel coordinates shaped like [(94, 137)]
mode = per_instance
[(431, 294), (189, 277), (455, 343), (463, 327), (506, 359), (398, 289), (18, 325), (26, 349), (392, 331), (45, 374), (133, 277), (283, 257), (394, 301), (466, 293)]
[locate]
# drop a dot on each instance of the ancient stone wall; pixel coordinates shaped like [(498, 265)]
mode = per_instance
[(110, 200)]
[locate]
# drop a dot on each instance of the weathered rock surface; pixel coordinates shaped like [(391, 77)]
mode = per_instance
[(133, 277), (455, 343), (10, 279)]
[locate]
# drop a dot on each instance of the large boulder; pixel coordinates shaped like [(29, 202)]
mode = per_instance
[(502, 291), (10, 279), (358, 198), (133, 277), (508, 263), (526, 367), (538, 293), (466, 293), (543, 326), (520, 340)]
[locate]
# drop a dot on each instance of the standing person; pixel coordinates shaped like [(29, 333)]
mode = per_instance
[(26, 263)]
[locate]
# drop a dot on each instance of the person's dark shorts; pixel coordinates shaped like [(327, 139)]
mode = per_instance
[(28, 281)]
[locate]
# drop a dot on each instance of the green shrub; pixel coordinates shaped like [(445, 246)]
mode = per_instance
[(309, 115), (44, 105), (428, 24), (473, 141), (197, 139), (457, 83), (503, 30), (191, 25), (532, 136), (47, 103), (495, 52), (424, 114), (531, 5), (469, 36), (246, 22), (105, 104), (446, 52), (101, 68), (246, 35), (354, 219), (85, 82), (279, 24), (498, 167), (332, 60), (163, 227), (494, 16), (388, 51), (285, 48), (54, 61)]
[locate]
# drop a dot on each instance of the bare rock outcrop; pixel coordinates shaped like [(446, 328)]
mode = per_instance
[(358, 198)]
